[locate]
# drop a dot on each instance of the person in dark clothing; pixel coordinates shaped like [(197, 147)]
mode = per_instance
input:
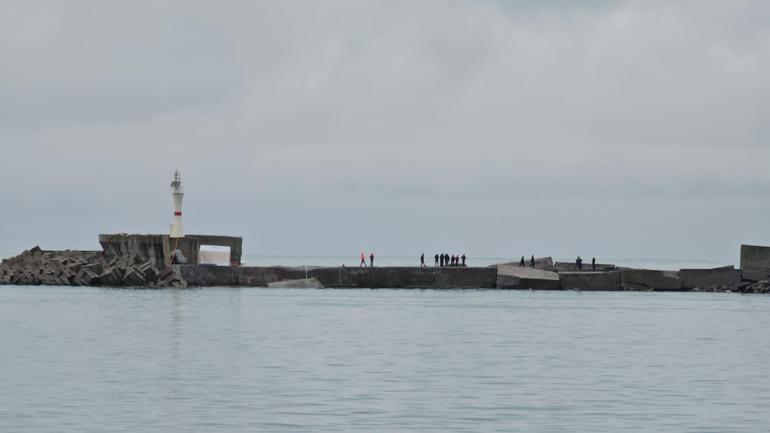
[(579, 263), (532, 261), (593, 264), (422, 260), (435, 260), (442, 260), (521, 263), (371, 260), (463, 259)]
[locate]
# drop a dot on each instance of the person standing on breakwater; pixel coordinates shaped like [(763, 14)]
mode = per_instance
[(593, 264), (532, 261), (579, 263), (371, 260), (442, 260), (521, 263), (463, 258), (435, 260), (422, 260), (363, 260)]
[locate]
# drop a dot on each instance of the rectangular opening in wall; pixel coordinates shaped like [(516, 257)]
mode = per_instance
[(214, 255)]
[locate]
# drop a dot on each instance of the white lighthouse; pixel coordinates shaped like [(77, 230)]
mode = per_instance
[(176, 191)]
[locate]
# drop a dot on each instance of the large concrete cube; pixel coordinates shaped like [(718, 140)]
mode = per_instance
[(590, 280), (645, 279), (515, 277)]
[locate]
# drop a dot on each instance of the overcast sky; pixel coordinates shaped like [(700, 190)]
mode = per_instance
[(635, 129)]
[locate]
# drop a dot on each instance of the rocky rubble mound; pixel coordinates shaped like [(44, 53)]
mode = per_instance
[(86, 268), (762, 286)]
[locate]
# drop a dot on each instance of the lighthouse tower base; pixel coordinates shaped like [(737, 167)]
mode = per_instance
[(176, 230)]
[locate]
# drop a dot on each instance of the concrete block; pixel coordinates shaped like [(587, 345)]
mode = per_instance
[(707, 278), (84, 277), (146, 266), (645, 279), (109, 277), (586, 280), (133, 277), (151, 275), (96, 268), (516, 277), (755, 274), (754, 257)]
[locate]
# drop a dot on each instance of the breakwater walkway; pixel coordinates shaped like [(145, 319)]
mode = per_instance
[(95, 268)]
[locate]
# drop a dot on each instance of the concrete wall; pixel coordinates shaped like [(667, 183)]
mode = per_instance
[(158, 247), (350, 277), (755, 257), (703, 278), (147, 247), (188, 246), (590, 280), (644, 279), (210, 275)]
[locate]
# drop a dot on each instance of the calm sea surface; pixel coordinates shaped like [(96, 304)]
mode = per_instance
[(245, 360)]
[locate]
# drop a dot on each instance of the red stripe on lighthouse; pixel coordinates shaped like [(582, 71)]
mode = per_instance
[(177, 213)]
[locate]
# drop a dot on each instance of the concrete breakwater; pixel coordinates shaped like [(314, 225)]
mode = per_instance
[(128, 262)]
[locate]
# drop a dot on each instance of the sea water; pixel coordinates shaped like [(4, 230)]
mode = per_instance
[(75, 359)]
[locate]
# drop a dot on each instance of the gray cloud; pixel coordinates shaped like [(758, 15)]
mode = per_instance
[(621, 128)]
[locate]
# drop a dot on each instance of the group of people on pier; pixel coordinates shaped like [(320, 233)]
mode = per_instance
[(531, 262), (455, 260), (445, 260), (579, 263)]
